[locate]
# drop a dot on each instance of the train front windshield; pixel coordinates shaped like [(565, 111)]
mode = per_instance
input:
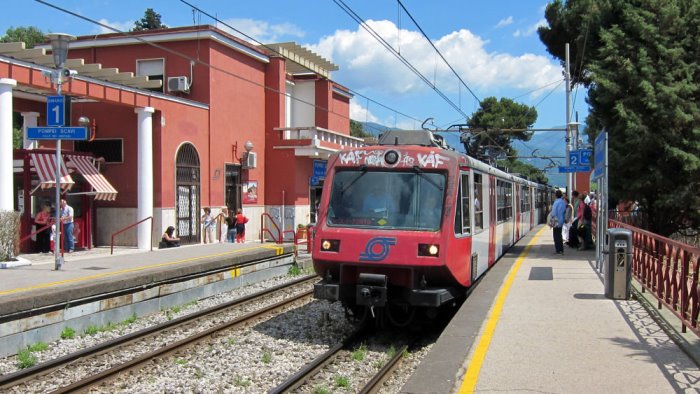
[(388, 200)]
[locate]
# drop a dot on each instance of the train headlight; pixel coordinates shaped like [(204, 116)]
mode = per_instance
[(430, 250), (330, 245), (391, 157)]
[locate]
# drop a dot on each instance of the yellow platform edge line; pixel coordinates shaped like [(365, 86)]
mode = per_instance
[(471, 377), (124, 271)]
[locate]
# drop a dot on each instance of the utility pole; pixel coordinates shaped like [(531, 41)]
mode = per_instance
[(567, 77)]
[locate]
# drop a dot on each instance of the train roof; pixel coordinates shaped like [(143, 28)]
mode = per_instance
[(427, 138)]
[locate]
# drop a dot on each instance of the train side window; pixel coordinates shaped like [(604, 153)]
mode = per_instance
[(478, 202), (462, 216), (504, 200)]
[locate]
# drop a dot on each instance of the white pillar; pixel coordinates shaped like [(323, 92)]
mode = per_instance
[(7, 202), (31, 119), (145, 175)]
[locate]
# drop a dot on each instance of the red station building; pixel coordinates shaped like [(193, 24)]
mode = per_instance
[(181, 119)]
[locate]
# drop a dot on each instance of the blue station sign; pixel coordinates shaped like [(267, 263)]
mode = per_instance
[(320, 168), (601, 147), (566, 169), (57, 133), (55, 110)]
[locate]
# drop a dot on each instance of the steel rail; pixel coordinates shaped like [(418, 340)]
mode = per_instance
[(375, 383), (39, 370), (297, 380), (110, 373)]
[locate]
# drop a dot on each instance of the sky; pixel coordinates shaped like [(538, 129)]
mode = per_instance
[(492, 46)]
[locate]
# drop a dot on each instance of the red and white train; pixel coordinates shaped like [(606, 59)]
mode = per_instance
[(408, 224)]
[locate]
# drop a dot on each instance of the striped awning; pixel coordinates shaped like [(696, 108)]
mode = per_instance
[(45, 165), (103, 190)]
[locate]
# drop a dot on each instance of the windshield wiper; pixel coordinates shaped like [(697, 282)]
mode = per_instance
[(363, 168), (420, 172)]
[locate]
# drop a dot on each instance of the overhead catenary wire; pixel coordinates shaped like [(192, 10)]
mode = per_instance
[(195, 60), (400, 57), (253, 39), (438, 51)]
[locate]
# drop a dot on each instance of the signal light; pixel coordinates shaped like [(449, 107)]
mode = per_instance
[(391, 157), (330, 245), (429, 250)]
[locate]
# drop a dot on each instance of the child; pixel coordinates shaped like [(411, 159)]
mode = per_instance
[(240, 226), (208, 225)]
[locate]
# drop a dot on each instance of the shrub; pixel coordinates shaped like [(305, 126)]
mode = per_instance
[(9, 235)]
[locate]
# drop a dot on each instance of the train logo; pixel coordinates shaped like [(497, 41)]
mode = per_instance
[(383, 244)]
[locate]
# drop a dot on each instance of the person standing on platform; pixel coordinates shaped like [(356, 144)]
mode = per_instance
[(207, 226), (241, 220), (231, 227), (67, 220), (42, 219), (557, 221), (576, 202)]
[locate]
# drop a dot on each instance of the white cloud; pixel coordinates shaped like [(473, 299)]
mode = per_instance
[(504, 22), (360, 113), (121, 26), (261, 30), (530, 30), (365, 64)]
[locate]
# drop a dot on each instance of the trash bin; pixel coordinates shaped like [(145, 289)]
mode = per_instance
[(618, 267)]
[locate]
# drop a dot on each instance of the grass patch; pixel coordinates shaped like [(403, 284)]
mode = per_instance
[(129, 320), (294, 270), (68, 333), (180, 361), (92, 330), (38, 347), (231, 341), (342, 381), (266, 357), (239, 381), (25, 359), (360, 353), (176, 309), (405, 353), (321, 390)]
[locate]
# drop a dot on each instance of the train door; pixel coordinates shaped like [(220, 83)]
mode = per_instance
[(480, 237), (517, 206), (492, 214), (187, 188)]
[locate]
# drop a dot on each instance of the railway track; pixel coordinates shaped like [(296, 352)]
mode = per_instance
[(304, 376), (16, 380)]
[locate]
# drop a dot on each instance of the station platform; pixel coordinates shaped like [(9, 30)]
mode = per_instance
[(539, 322), (95, 288)]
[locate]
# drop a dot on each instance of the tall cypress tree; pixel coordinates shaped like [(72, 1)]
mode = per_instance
[(643, 90)]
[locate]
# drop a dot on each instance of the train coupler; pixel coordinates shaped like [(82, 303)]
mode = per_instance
[(371, 290)]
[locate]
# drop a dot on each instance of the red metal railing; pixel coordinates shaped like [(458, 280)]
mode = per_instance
[(264, 229), (35, 232), (111, 247), (667, 269)]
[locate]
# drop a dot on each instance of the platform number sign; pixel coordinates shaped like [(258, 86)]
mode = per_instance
[(586, 156), (574, 158), (55, 111)]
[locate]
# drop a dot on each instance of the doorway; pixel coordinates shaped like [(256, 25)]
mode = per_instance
[(315, 201), (187, 186), (233, 187)]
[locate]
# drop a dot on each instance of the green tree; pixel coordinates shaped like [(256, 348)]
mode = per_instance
[(644, 79), (150, 21), (356, 130), (30, 35), (492, 123)]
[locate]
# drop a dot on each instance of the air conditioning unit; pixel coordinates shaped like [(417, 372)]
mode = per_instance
[(250, 160), (178, 84)]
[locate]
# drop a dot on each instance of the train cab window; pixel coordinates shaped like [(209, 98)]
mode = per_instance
[(397, 200), (462, 215), (478, 201)]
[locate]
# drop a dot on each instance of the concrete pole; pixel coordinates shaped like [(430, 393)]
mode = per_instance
[(145, 175), (31, 119), (567, 77), (7, 202)]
